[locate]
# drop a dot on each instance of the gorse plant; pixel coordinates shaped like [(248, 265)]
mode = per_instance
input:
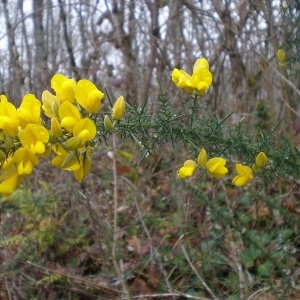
[(74, 129)]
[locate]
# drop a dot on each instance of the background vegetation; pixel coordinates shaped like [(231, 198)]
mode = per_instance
[(163, 238)]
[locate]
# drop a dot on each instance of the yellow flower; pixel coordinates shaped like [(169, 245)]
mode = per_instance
[(245, 175), (261, 160), (29, 111), (85, 130), (187, 170), (9, 119), (216, 167), (199, 81), (118, 108), (34, 136), (69, 115), (88, 96), (25, 160), (63, 87), (9, 177)]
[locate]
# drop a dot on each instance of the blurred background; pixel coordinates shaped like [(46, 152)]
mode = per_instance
[(128, 46)]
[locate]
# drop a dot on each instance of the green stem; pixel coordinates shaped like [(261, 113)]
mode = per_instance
[(193, 108)]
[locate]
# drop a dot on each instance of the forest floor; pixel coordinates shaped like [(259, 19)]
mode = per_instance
[(171, 241)]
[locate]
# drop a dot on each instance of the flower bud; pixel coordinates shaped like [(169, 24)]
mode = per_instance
[(8, 143), (73, 143), (202, 158), (119, 108), (55, 127), (255, 168), (108, 124), (261, 159), (280, 55)]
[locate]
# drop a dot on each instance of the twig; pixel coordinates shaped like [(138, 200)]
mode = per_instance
[(170, 295), (197, 274), (115, 224), (8, 292), (66, 275), (258, 292)]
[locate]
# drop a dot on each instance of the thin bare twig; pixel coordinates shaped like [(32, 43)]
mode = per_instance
[(259, 292), (287, 81), (170, 295), (7, 288), (115, 224)]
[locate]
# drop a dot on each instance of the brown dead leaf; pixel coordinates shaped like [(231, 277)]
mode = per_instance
[(140, 287), (289, 204), (264, 212), (259, 210), (154, 276)]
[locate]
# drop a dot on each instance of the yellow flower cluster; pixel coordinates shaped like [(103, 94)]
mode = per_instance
[(216, 167), (245, 173), (199, 82), (25, 137)]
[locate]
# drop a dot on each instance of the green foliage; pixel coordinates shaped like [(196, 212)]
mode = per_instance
[(49, 279), (263, 117), (37, 212)]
